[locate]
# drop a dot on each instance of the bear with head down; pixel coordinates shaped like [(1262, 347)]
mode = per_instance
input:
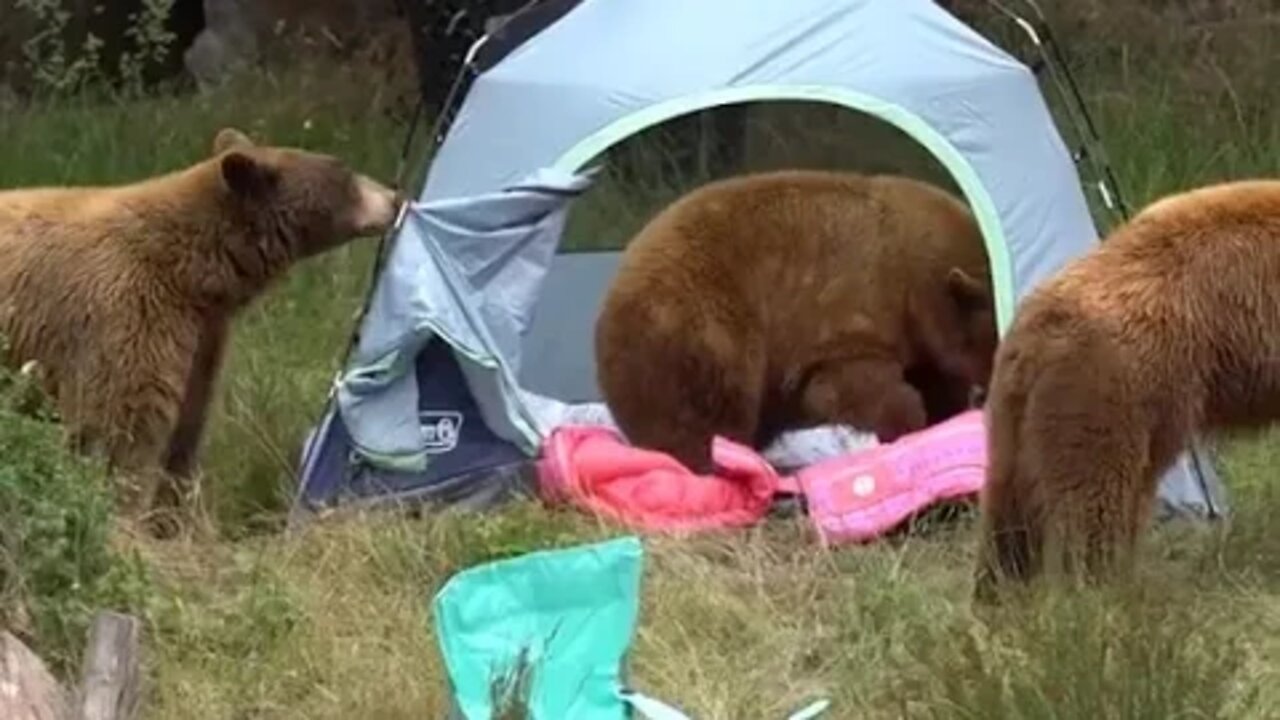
[(1168, 329), (124, 296), (790, 299)]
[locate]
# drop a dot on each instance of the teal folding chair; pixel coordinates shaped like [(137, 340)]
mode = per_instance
[(549, 631)]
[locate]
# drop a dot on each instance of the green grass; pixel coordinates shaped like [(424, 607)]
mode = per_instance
[(333, 622)]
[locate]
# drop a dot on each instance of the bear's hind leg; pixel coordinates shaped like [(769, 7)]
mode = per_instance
[(1072, 463), (1011, 506), (137, 449), (866, 393), (138, 479), (1011, 535), (685, 388), (1091, 464)]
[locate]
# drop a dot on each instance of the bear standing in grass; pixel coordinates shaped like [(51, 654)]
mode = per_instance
[(124, 295), (1170, 328), (791, 299)]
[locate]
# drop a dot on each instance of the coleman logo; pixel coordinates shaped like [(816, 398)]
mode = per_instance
[(440, 430)]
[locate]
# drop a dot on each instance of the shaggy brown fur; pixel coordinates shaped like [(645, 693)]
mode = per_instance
[(124, 295), (1170, 328), (782, 300)]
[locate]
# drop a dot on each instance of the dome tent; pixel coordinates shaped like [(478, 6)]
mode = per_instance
[(475, 320)]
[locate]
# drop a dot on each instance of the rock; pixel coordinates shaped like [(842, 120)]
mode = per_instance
[(240, 32), (229, 40), (223, 45), (27, 689)]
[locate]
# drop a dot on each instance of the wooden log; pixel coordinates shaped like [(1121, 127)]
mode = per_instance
[(110, 676), (28, 691)]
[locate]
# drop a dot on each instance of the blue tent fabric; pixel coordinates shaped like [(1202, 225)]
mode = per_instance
[(465, 271), (474, 264), (470, 466)]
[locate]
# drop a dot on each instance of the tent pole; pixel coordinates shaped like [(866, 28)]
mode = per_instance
[(439, 130), (1056, 48), (1042, 37), (1056, 63), (386, 242)]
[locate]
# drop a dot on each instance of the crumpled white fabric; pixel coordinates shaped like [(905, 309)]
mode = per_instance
[(794, 449)]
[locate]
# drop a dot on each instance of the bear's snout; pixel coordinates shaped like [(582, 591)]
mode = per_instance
[(376, 207)]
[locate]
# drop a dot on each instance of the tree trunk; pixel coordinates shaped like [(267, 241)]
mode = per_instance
[(110, 676)]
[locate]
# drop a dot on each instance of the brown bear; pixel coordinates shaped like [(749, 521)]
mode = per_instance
[(782, 300), (1169, 328), (124, 295)]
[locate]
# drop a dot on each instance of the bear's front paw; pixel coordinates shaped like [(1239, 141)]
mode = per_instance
[(901, 413)]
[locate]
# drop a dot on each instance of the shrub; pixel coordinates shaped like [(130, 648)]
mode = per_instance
[(56, 564), (62, 55)]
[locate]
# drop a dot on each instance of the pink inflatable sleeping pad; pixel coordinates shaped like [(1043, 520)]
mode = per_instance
[(855, 497), (860, 496)]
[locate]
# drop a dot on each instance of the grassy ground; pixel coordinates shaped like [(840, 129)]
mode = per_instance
[(333, 622)]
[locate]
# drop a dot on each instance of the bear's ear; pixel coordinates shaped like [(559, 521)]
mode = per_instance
[(969, 293), (228, 138), (246, 177)]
